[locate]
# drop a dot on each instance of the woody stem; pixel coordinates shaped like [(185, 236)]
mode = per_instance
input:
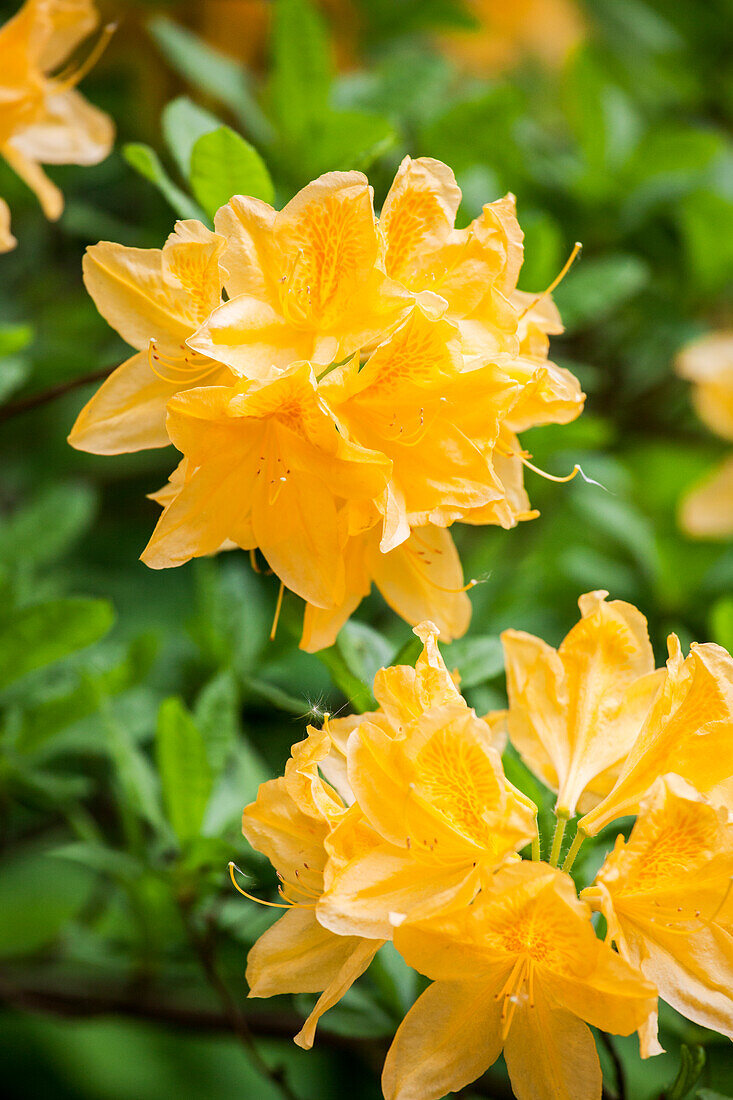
[(26, 404), (562, 821), (574, 849)]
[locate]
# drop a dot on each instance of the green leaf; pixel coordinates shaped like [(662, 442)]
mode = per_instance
[(14, 338), (356, 690), (708, 1094), (282, 700), (100, 858), (346, 140), (38, 636), (706, 221), (597, 287), (14, 373), (38, 900), (721, 622), (477, 659), (364, 650), (146, 162), (217, 717), (211, 71), (184, 770), (690, 1071), (184, 122), (301, 75), (39, 724), (223, 164), (48, 526)]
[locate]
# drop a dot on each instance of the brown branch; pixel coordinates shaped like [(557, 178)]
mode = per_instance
[(35, 400)]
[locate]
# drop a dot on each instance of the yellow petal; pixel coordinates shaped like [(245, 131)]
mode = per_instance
[(708, 362), (387, 885), (7, 240), (296, 955), (67, 130), (707, 511), (417, 216), (291, 839), (249, 257), (128, 411), (687, 731), (575, 712), (550, 1054), (131, 293), (449, 1037), (47, 193), (69, 23), (361, 954)]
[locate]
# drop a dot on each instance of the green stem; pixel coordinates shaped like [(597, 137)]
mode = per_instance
[(574, 849), (557, 840), (536, 853)]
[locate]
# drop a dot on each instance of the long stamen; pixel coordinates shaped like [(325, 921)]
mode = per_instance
[(577, 249), (429, 580), (270, 904), (70, 76), (550, 477), (278, 607)]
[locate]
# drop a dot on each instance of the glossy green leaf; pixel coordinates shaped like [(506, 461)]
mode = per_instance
[(184, 122), (185, 775), (38, 636), (223, 164), (146, 163)]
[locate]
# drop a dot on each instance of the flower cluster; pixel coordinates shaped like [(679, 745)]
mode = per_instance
[(401, 825), (708, 510), (44, 120), (359, 389)]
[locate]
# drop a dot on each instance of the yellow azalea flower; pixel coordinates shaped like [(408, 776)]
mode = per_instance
[(303, 282), (707, 511), (267, 468), (474, 270), (665, 894), (520, 971), (43, 119), (687, 731), (436, 423), (155, 298), (435, 793), (420, 579), (575, 712), (289, 822)]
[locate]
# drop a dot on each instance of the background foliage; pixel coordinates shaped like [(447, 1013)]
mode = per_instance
[(140, 710)]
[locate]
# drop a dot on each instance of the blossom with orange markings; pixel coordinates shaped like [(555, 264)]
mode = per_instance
[(707, 511), (415, 359), (44, 120), (666, 896), (520, 971)]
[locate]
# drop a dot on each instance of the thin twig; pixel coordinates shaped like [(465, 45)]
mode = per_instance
[(35, 400), (617, 1064), (204, 947)]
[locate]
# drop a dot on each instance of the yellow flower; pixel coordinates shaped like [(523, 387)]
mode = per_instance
[(43, 119), (665, 895), (508, 33), (303, 282), (521, 970), (429, 781), (290, 822), (420, 579), (707, 511), (267, 468), (155, 299), (435, 422), (687, 731), (575, 712)]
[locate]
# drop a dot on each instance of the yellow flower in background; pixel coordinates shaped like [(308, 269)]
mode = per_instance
[(666, 897), (507, 33), (155, 298), (687, 731), (707, 511), (289, 822), (428, 779), (303, 282), (43, 119), (575, 712), (520, 971), (267, 468)]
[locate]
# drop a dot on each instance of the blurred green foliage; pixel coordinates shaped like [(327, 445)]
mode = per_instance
[(141, 710)]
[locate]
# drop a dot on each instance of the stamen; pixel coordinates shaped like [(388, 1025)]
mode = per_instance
[(271, 904), (577, 249), (278, 607), (70, 76), (429, 580), (191, 368), (253, 561)]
